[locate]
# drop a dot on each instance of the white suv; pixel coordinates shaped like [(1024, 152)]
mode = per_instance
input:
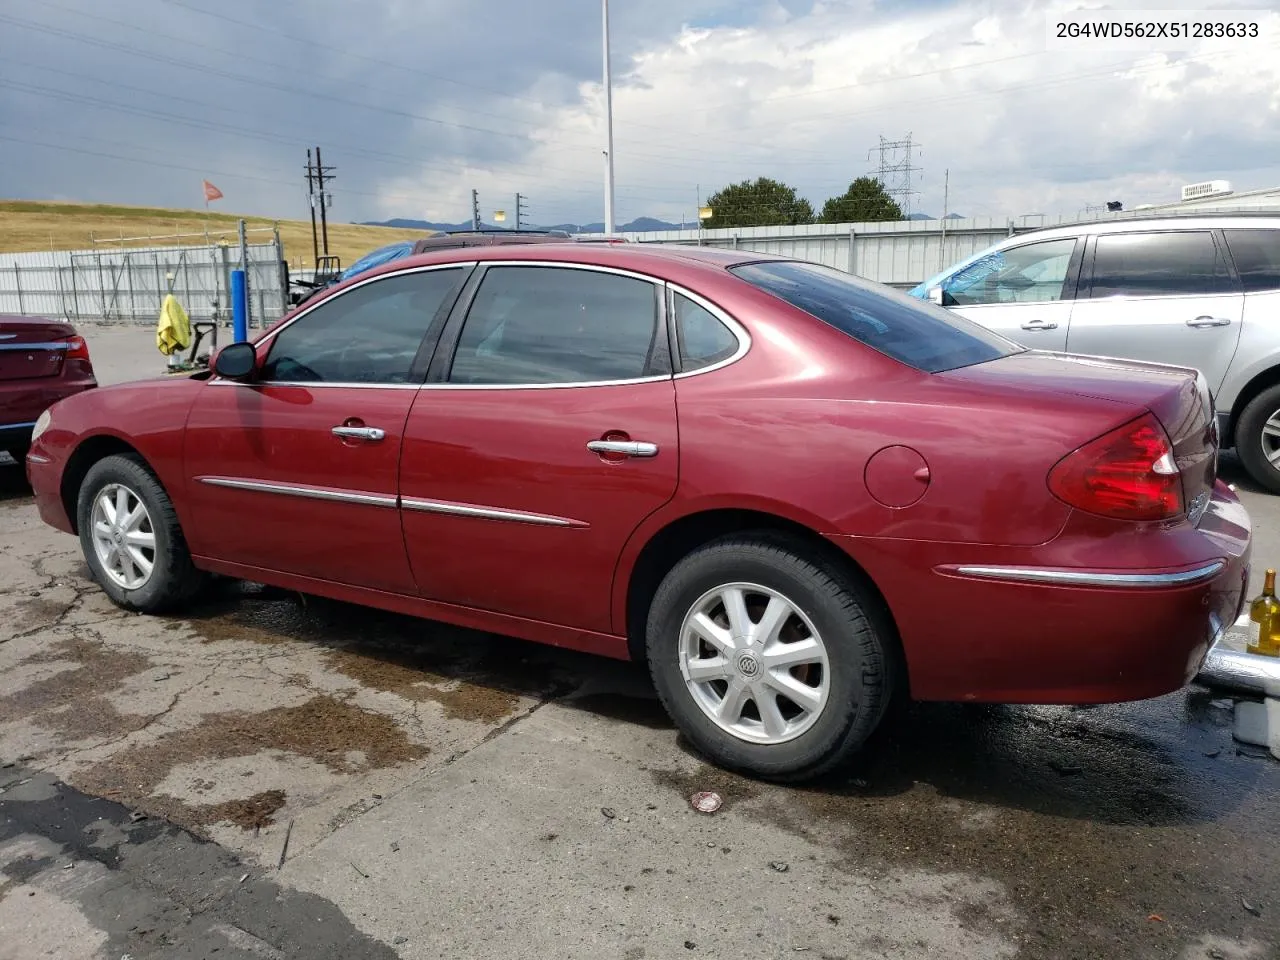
[(1200, 291)]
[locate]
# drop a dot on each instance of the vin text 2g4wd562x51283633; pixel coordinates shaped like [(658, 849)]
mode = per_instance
[(796, 494)]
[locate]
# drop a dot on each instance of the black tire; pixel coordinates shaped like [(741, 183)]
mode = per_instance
[(860, 646), (1248, 438), (174, 579)]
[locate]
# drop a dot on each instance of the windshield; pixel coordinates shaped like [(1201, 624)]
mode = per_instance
[(916, 333), (922, 290)]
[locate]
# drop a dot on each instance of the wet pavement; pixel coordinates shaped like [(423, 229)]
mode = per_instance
[(390, 787)]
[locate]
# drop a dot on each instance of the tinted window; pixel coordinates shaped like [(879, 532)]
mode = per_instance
[(557, 325), (912, 331), (370, 334), (1159, 264), (1034, 273), (1257, 257), (703, 339)]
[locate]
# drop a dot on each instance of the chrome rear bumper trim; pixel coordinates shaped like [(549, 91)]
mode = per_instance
[(1088, 578)]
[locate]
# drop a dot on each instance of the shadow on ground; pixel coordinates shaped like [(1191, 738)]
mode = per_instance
[(13, 480)]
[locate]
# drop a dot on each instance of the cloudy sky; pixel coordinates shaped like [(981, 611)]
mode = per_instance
[(418, 101)]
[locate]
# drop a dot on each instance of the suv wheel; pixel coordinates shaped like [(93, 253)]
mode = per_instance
[(131, 539), (1258, 438), (769, 663)]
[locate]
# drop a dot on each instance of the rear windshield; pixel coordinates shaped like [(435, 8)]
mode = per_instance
[(914, 332)]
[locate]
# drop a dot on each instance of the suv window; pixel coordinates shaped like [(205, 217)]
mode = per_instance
[(533, 325), (369, 334), (1160, 264), (914, 332), (1257, 257), (1033, 273), (703, 339)]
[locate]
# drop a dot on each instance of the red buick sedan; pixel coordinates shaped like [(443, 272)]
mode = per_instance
[(796, 494), (41, 361)]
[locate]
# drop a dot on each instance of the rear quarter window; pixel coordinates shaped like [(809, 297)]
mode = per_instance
[(911, 331), (1257, 257)]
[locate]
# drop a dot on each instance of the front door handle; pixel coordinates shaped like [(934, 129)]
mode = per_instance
[(359, 433), (625, 448), (1039, 325), (1207, 321)]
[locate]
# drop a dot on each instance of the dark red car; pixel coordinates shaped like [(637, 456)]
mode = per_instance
[(41, 361), (797, 494)]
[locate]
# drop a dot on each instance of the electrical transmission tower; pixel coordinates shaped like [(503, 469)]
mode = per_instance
[(895, 169)]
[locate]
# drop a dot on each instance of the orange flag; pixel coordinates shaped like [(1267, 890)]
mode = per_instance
[(211, 192)]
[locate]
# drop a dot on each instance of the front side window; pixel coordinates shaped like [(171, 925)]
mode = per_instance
[(1257, 257), (703, 339), (540, 325), (370, 334), (1033, 273), (1186, 263), (911, 331)]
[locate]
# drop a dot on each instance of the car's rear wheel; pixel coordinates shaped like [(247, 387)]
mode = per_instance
[(131, 538), (1258, 438), (770, 663)]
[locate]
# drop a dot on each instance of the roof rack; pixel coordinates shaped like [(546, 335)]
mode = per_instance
[(1126, 216)]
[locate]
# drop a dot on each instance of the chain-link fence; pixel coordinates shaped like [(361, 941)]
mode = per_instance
[(128, 285)]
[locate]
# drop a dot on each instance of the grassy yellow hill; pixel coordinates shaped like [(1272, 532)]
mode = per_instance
[(37, 225)]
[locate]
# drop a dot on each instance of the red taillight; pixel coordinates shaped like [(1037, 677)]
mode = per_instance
[(77, 349), (1128, 474)]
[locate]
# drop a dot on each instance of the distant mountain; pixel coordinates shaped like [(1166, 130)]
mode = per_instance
[(929, 216), (640, 224)]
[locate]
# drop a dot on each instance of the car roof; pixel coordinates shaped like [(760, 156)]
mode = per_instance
[(1262, 220), (623, 256)]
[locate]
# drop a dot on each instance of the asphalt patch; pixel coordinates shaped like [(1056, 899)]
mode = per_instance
[(166, 892)]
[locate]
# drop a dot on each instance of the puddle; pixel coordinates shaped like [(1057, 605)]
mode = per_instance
[(74, 703), (342, 737), (1091, 820)]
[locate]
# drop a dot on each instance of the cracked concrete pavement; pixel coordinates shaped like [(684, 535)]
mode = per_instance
[(272, 775)]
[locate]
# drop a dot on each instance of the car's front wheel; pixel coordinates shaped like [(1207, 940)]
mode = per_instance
[(131, 539), (1258, 438), (769, 663)]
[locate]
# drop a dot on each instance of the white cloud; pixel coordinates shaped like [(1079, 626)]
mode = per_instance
[(804, 98)]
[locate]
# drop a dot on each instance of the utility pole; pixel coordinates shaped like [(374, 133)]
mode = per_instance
[(946, 200), (322, 177), (608, 123), (311, 202), (520, 211), (475, 210)]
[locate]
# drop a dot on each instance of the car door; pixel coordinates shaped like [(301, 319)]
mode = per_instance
[(546, 435), (297, 471), (1163, 296), (1024, 292)]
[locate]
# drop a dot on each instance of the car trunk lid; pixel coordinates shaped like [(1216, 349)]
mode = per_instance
[(1178, 397), (31, 348)]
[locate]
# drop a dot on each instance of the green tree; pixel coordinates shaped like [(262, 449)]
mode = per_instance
[(757, 203), (864, 200)]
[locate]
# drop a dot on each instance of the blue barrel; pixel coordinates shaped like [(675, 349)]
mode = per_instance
[(239, 307)]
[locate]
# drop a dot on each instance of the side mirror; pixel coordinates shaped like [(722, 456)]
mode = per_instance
[(935, 295), (236, 361)]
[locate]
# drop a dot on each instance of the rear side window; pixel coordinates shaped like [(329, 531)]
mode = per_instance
[(703, 339), (369, 334), (911, 331), (1187, 263), (538, 325), (1257, 257)]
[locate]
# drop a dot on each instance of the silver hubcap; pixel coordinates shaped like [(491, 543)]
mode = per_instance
[(754, 663), (1271, 439), (123, 537)]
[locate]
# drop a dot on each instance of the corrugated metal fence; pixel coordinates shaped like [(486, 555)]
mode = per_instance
[(897, 252), (128, 285)]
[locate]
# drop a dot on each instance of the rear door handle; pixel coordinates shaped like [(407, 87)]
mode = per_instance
[(1207, 321), (1039, 325), (626, 448), (359, 433)]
